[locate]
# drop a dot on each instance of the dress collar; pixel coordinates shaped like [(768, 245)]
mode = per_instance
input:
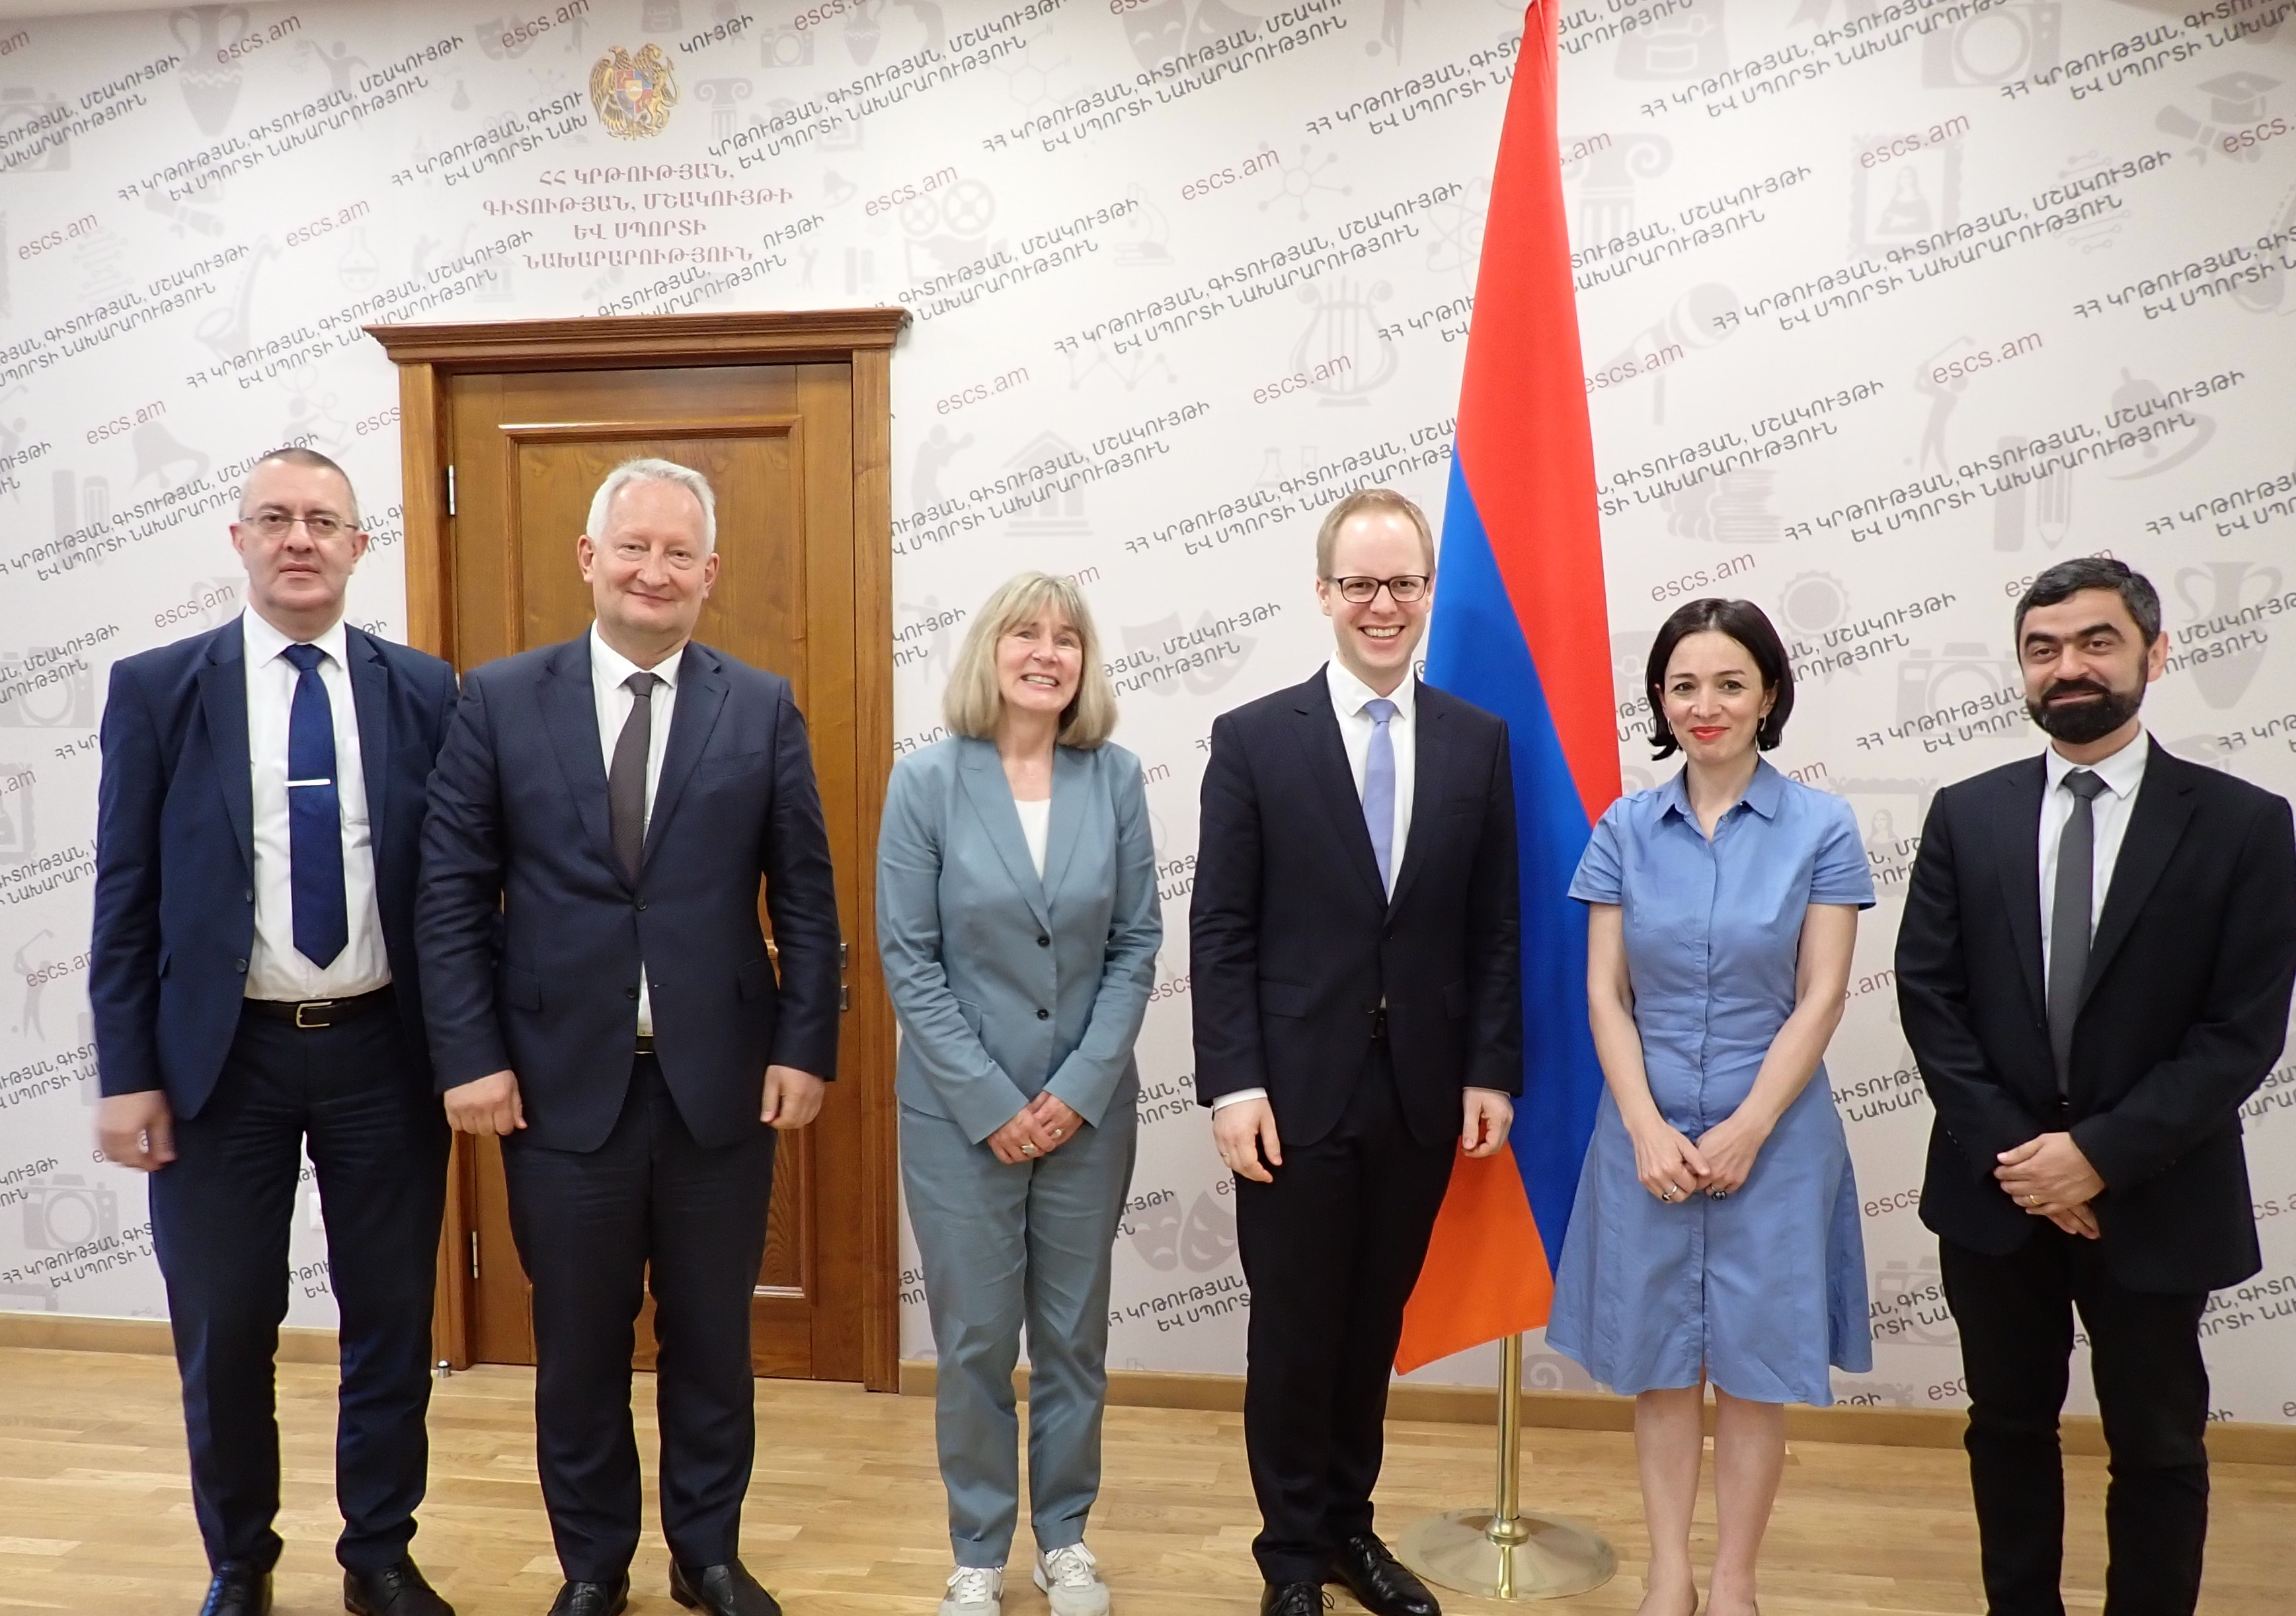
[(1763, 793)]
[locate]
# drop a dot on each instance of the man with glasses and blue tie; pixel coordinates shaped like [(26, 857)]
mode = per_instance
[(1356, 972), (253, 985)]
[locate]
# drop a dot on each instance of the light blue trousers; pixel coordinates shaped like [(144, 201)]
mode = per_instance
[(1005, 1245)]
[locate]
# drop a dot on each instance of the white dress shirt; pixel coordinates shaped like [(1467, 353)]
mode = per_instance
[(1035, 829), (2122, 773), (1349, 696), (608, 669), (275, 970)]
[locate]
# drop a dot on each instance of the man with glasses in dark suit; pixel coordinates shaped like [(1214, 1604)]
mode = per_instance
[(254, 992), (2094, 969), (1358, 1018)]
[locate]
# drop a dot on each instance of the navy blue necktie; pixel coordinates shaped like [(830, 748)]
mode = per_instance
[(314, 818)]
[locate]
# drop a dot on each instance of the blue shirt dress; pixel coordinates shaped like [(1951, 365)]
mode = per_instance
[(1765, 1287)]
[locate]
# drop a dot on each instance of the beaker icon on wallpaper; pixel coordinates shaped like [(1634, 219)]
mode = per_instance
[(2224, 590), (210, 86)]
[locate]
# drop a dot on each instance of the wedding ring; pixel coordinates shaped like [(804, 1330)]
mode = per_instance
[(2032, 1201), (1057, 1134), (1028, 1150)]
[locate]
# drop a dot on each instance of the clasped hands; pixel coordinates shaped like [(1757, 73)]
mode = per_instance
[(2049, 1177), (1245, 1136), (1673, 1169), (1035, 1131), (491, 1105)]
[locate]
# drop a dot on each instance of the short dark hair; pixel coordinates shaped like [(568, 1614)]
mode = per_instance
[(1744, 622), (296, 453), (2067, 578)]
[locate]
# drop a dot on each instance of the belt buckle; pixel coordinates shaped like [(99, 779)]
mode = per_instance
[(319, 1004)]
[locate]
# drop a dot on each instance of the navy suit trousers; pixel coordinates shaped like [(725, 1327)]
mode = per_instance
[(595, 1228), (220, 1216)]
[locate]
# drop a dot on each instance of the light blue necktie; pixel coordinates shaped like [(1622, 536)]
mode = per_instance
[(315, 820), (1378, 789)]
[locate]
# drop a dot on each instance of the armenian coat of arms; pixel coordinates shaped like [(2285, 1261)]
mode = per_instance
[(633, 94)]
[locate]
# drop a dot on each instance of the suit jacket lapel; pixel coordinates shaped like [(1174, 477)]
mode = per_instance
[(570, 713), (223, 700), (2163, 806), (991, 796), (1431, 757), (370, 678), (701, 688), (1333, 783), (2017, 844), (1069, 788)]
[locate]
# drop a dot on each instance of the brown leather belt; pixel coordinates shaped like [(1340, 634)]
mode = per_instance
[(311, 1015)]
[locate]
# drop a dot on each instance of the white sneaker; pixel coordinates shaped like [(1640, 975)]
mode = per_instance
[(974, 1590), (1070, 1578)]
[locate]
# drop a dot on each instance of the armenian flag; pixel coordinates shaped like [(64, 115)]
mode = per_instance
[(1520, 628)]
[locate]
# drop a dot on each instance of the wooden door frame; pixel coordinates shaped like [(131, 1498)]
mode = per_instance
[(428, 357)]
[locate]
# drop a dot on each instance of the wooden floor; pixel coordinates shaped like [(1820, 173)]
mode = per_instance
[(845, 1516)]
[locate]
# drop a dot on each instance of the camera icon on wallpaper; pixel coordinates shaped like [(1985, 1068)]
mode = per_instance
[(67, 703), (1929, 681), (2011, 41), (784, 47), (68, 1211), (21, 106)]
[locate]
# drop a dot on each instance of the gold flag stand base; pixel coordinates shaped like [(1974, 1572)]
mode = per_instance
[(1502, 1552)]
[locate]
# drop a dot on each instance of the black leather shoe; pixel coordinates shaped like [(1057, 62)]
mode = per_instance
[(1379, 1582), (395, 1590), (1293, 1599), (722, 1590), (237, 1590), (593, 1598)]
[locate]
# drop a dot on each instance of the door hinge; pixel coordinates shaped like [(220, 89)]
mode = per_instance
[(450, 490), (475, 1253)]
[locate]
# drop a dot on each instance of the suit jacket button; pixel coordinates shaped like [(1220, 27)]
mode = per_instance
[(629, 993), (1044, 1015), (1043, 942), (240, 965), (248, 895), (641, 903)]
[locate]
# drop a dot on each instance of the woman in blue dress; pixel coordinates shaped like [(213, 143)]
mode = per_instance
[(1714, 1238)]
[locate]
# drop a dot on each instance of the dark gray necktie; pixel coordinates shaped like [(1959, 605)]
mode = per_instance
[(2069, 917), (625, 781)]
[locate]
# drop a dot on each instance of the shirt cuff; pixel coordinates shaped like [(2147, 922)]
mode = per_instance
[(1240, 1095)]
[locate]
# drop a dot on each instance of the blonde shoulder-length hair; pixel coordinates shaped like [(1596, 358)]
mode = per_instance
[(972, 704)]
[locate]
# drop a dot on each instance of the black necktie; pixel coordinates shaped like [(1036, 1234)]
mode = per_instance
[(2069, 917), (625, 781)]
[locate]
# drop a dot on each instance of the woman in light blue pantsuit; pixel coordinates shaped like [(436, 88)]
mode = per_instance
[(1017, 918)]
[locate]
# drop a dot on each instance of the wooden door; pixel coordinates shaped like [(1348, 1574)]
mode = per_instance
[(525, 450)]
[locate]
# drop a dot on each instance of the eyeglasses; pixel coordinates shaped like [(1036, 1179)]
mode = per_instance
[(274, 524), (1405, 591)]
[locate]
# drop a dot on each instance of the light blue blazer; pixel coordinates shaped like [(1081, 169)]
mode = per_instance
[(1006, 985)]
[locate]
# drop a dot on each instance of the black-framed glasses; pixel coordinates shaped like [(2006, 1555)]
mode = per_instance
[(274, 524), (1405, 591)]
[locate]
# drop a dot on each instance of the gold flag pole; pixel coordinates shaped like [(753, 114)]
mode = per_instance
[(1502, 1552)]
